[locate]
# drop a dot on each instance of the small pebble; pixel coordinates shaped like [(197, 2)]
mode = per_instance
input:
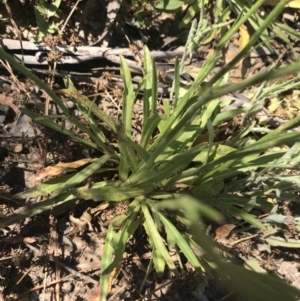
[(67, 287), (6, 88)]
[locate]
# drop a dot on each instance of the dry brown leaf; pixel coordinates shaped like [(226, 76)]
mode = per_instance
[(244, 37), (29, 240), (59, 168), (244, 34), (235, 73), (293, 4), (96, 291), (8, 101), (112, 276), (16, 239), (18, 148), (223, 232), (95, 294)]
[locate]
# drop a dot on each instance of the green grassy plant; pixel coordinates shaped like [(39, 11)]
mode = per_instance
[(221, 11), (171, 172), (44, 11)]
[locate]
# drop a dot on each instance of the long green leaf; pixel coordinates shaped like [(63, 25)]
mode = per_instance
[(176, 82), (181, 242), (76, 178), (35, 208), (148, 129), (128, 97), (91, 106), (82, 175), (128, 160), (157, 240), (224, 116), (116, 243), (97, 134), (147, 86), (45, 120), (44, 188), (247, 217), (126, 232), (228, 161), (188, 202), (112, 193), (167, 167), (64, 182), (153, 104), (106, 262), (158, 260), (141, 152)]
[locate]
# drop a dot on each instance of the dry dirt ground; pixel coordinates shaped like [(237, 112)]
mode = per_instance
[(56, 255)]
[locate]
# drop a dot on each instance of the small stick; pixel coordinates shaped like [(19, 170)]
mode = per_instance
[(69, 16)]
